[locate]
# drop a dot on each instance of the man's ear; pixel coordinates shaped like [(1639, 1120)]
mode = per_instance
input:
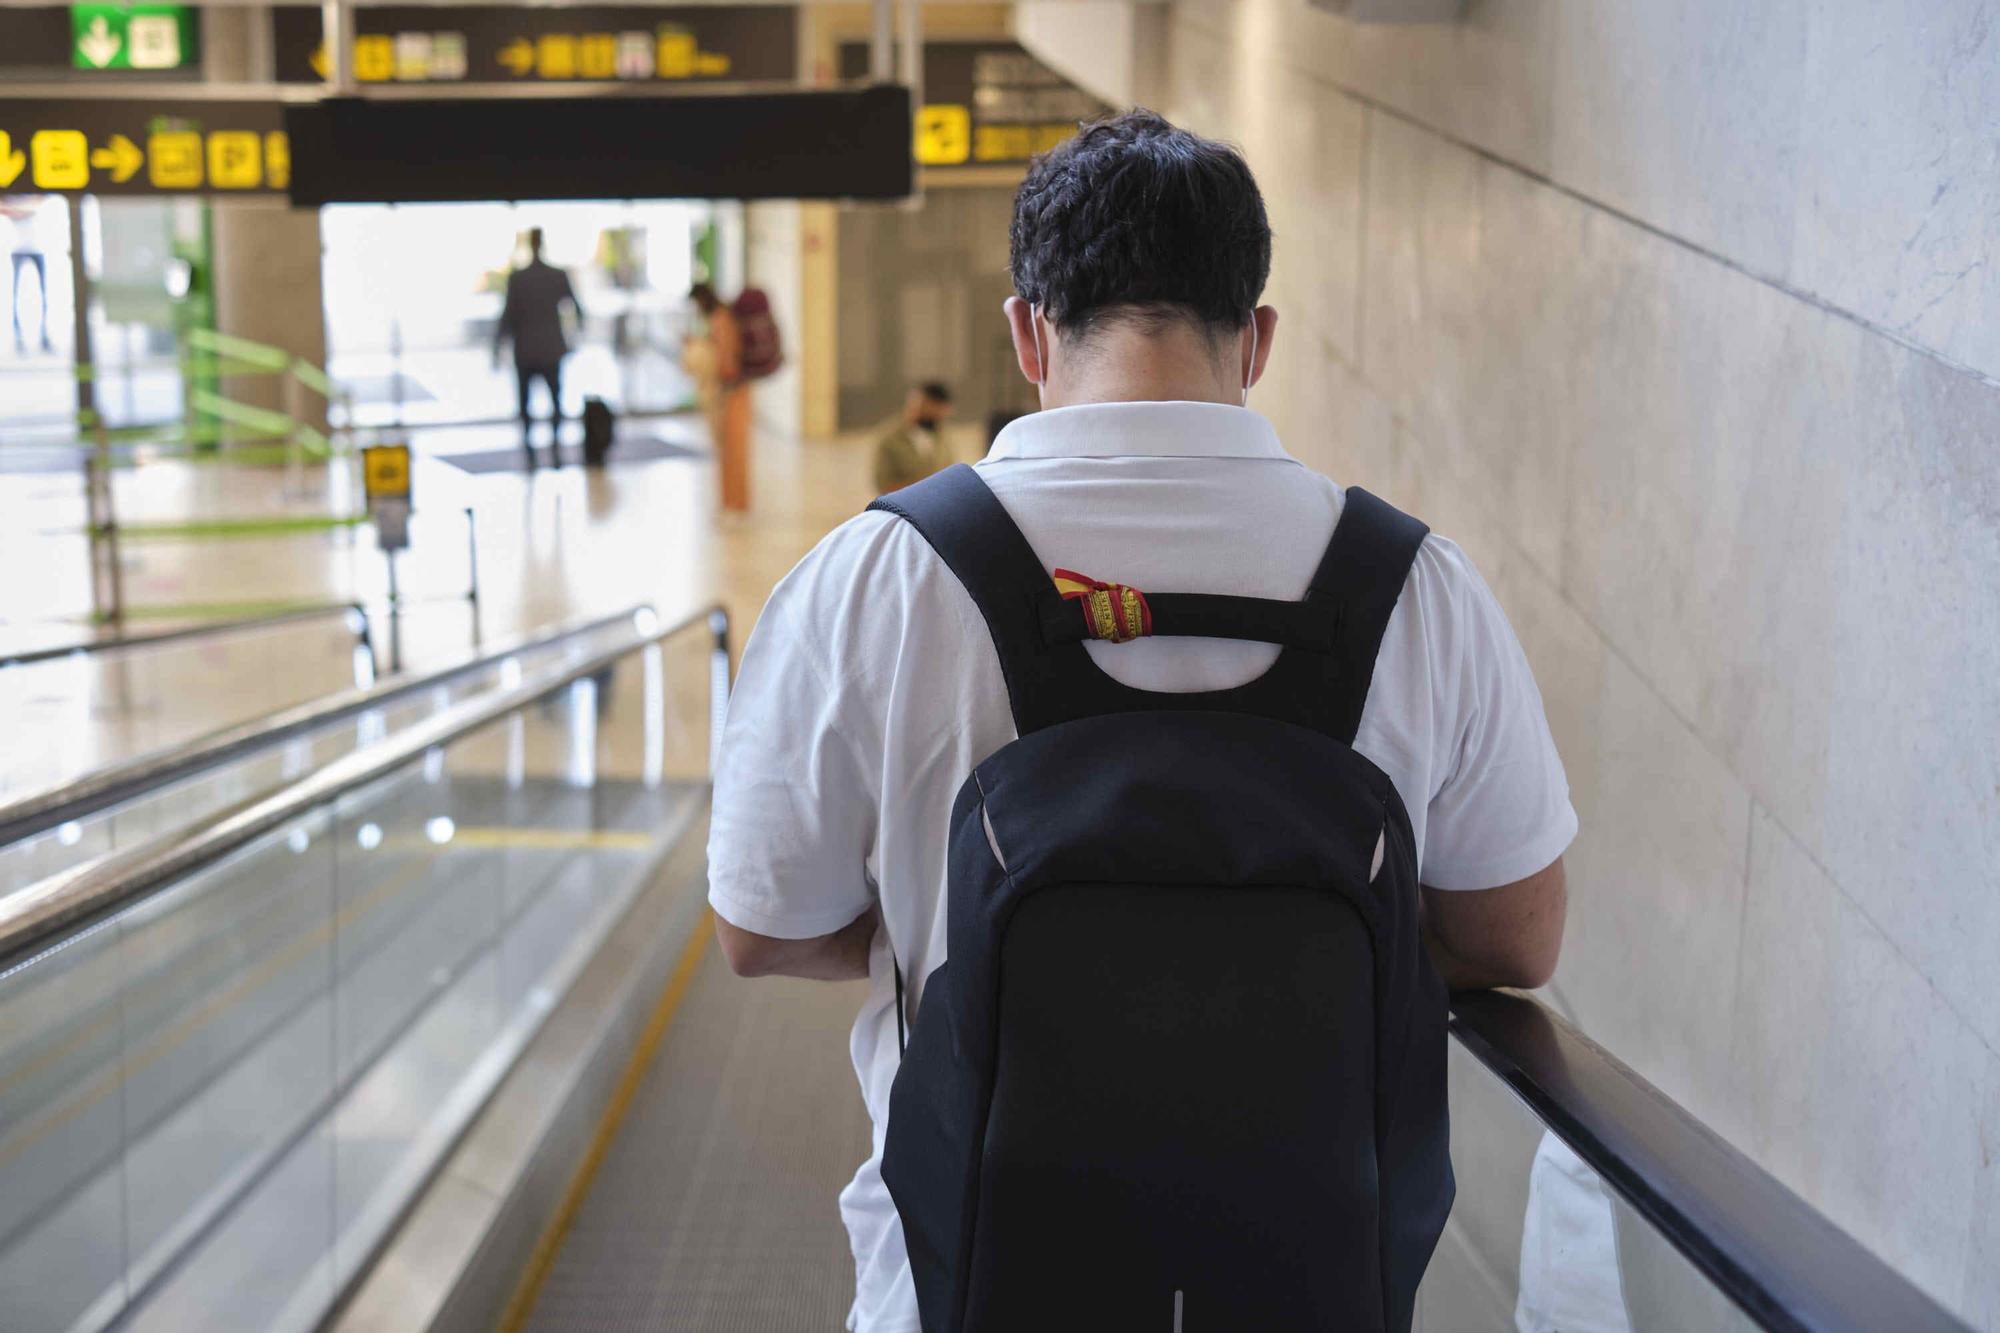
[(1265, 319), (1021, 327)]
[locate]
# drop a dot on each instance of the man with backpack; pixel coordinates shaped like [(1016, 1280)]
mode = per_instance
[(738, 347), (1115, 764)]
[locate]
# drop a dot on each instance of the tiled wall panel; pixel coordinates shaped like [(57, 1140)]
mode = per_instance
[(1673, 317)]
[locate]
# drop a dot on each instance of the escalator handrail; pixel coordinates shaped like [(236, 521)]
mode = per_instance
[(72, 901), (207, 629), (121, 781), (1782, 1262)]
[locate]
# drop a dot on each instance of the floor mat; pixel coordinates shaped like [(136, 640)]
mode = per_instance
[(627, 449), (391, 388)]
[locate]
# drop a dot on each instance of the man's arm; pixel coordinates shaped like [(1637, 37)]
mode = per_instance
[(1507, 936), (841, 956)]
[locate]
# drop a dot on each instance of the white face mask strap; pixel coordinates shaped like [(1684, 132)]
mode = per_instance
[(1041, 366), (1251, 369)]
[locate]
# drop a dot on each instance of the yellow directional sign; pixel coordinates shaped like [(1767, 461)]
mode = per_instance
[(235, 159), (174, 159), (277, 160), (678, 53), (518, 55), (374, 57), (594, 42), (385, 472), (60, 159), (944, 135), (121, 158), (597, 55), (142, 145)]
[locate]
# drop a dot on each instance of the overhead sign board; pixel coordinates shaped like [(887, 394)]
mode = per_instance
[(127, 146), (986, 103), (832, 144), (137, 36), (548, 44)]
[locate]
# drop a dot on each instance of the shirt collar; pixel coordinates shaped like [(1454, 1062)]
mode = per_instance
[(1140, 430)]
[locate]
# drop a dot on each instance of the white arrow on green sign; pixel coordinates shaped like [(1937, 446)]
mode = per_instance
[(140, 36)]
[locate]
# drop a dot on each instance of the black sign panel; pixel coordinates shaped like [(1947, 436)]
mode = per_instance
[(986, 103), (39, 42), (547, 44), (135, 145), (792, 145)]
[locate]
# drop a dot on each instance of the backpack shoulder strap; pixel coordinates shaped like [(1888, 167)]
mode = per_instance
[(977, 540), (1320, 680), (1362, 574)]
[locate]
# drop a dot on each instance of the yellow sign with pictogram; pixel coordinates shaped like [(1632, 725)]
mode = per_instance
[(943, 134), (235, 159), (174, 160), (59, 160), (374, 57), (278, 160), (385, 472)]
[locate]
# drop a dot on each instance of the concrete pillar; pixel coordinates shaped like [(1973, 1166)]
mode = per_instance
[(819, 320), (267, 288), (267, 256)]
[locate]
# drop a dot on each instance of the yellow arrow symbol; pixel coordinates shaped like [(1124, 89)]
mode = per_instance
[(12, 161), (122, 159), (518, 55), (318, 59)]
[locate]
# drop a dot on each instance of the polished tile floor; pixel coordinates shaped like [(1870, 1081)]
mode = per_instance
[(551, 546)]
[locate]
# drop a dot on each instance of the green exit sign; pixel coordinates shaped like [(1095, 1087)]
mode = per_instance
[(139, 36)]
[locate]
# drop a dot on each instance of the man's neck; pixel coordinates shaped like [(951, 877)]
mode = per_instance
[(1123, 364)]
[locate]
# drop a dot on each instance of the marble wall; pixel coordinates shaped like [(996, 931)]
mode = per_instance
[(1685, 320)]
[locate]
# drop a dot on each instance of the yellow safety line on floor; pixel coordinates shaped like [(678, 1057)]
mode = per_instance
[(553, 839), (529, 1290)]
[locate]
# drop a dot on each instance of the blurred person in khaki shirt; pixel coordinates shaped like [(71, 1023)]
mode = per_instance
[(912, 449)]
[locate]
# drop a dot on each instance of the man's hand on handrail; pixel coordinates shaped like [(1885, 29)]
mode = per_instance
[(1505, 936)]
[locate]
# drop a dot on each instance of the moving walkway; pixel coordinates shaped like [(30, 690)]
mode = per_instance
[(257, 1015), (428, 1033)]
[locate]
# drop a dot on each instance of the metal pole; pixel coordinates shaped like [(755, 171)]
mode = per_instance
[(365, 663), (910, 51), (107, 580), (395, 617), (336, 25), (472, 564), (881, 68), (910, 73)]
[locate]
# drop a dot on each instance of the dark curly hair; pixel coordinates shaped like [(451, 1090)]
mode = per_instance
[(1137, 218)]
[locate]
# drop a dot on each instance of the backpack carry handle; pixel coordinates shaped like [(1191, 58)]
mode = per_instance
[(1329, 639)]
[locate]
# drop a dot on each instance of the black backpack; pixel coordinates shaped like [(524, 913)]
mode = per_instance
[(1185, 1066)]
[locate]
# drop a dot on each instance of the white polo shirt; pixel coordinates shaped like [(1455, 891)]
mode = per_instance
[(870, 689)]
